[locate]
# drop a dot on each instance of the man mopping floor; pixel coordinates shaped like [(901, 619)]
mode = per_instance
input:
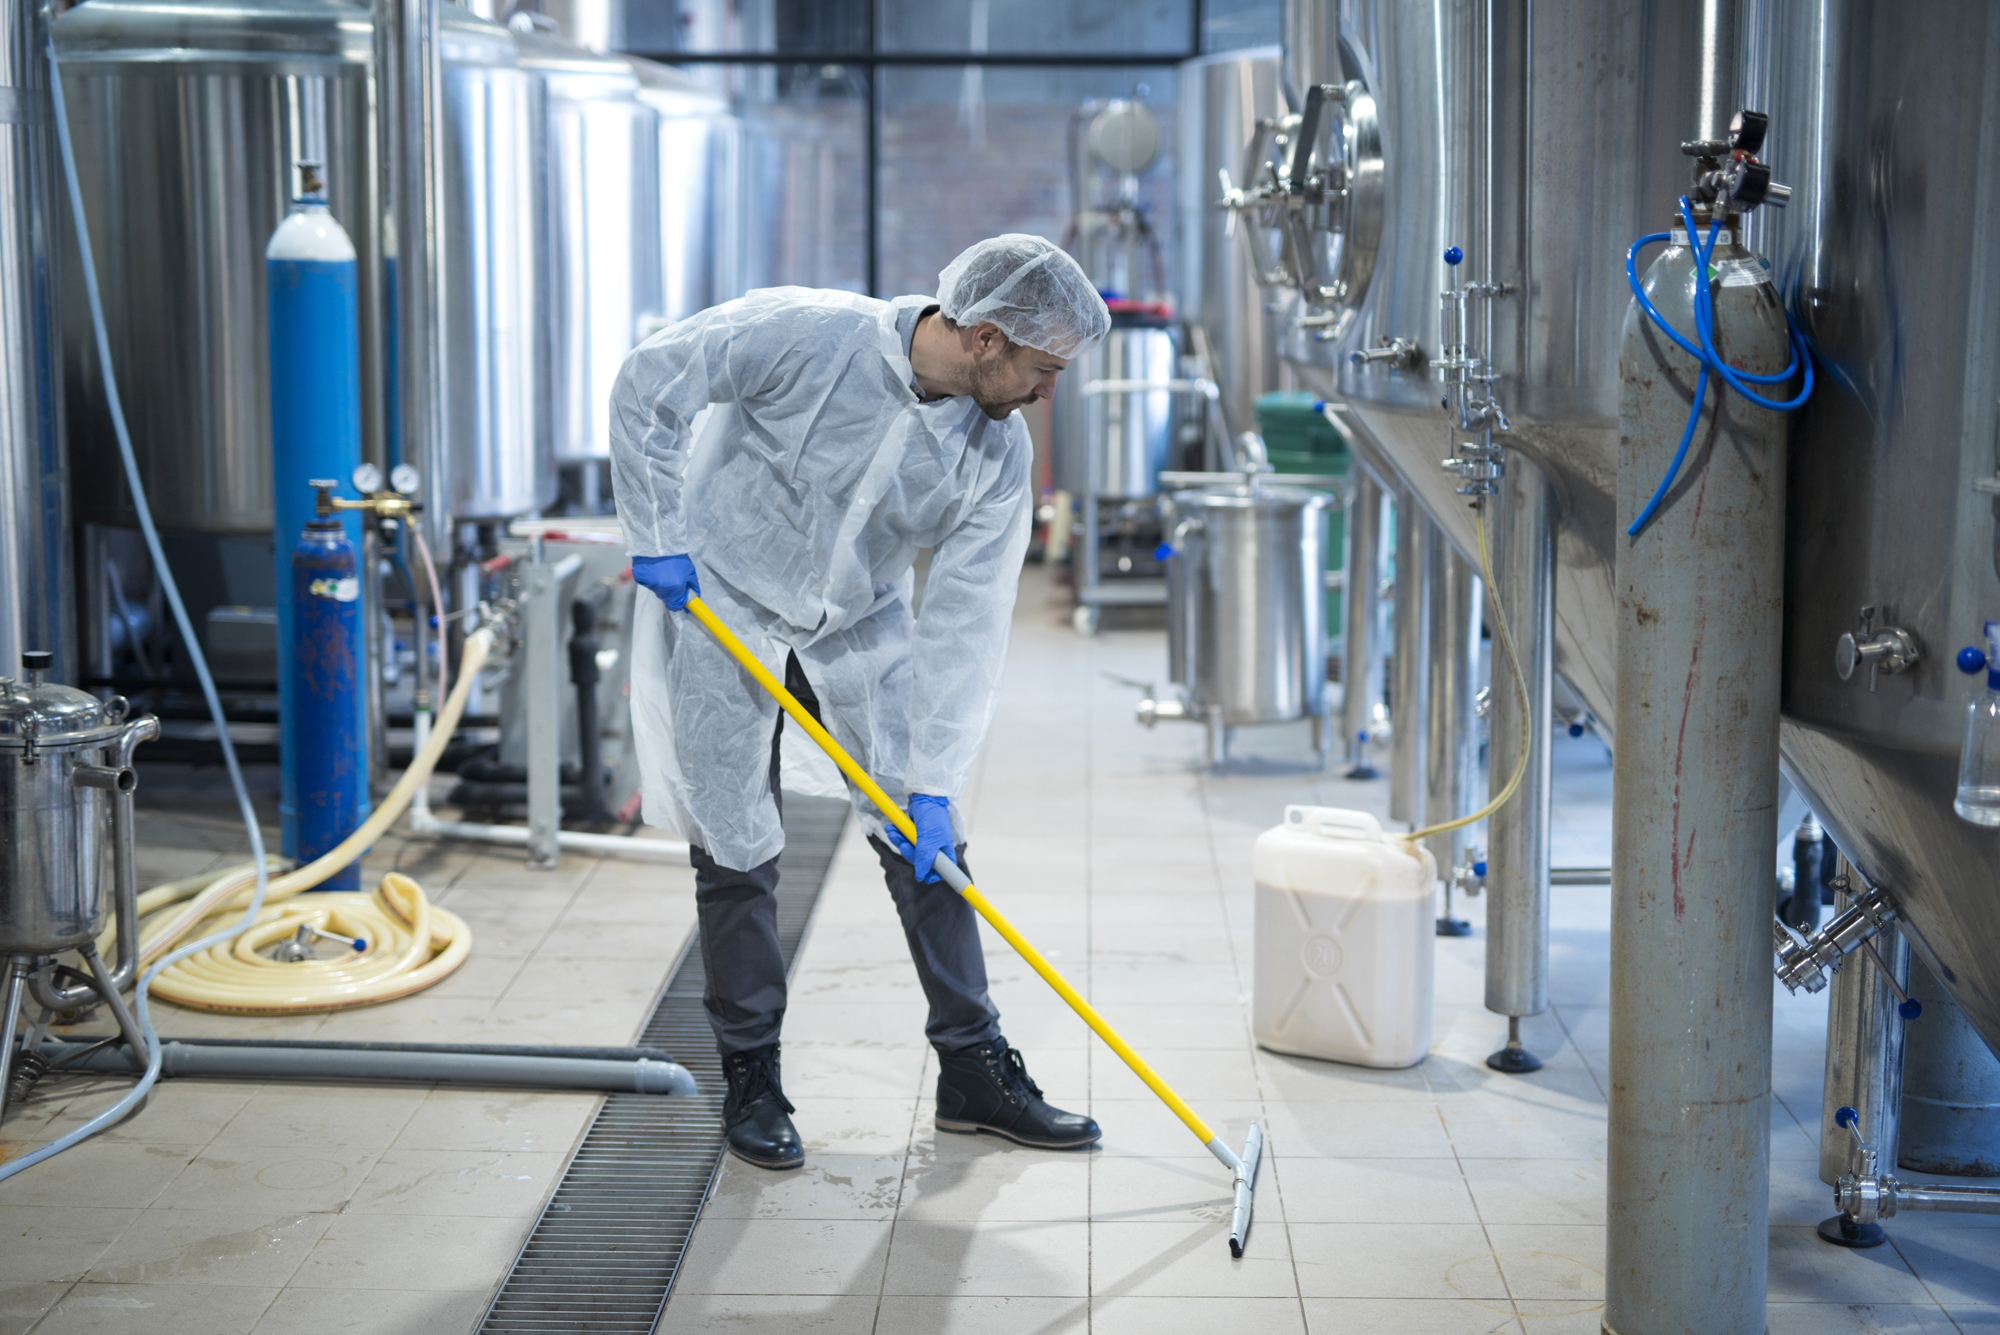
[(844, 434)]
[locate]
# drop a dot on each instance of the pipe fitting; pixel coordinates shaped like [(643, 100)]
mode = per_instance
[(1805, 961)]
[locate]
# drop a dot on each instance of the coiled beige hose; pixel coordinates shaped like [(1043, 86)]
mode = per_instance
[(410, 944)]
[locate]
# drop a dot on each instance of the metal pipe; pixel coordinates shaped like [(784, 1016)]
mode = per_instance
[(410, 73), (36, 597), (1406, 701), (1517, 835), (1572, 876), (1864, 1050), (569, 841), (1361, 652), (1694, 828), (1717, 99), (180, 1060), (1450, 727), (1940, 1196)]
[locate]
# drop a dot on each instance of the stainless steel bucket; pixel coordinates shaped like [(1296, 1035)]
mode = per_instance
[(1246, 629)]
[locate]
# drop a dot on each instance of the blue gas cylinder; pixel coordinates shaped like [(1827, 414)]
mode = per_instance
[(315, 351), (324, 744)]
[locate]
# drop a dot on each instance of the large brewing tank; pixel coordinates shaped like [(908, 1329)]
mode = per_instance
[(604, 232), (700, 159), (187, 117), (495, 236), (1130, 431), (1222, 99), (1890, 137), (1583, 156)]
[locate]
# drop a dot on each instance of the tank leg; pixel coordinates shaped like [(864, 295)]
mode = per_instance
[(1218, 737), (1517, 856), (16, 973), (1361, 662), (1412, 651)]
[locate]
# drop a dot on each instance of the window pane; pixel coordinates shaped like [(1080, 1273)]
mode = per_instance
[(1232, 25), (970, 153), (748, 25), (1088, 27)]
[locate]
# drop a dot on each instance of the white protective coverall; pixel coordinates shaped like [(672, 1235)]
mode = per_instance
[(816, 478)]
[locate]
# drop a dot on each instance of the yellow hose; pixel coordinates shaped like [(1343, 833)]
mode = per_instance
[(727, 639), (1520, 689), (410, 944)]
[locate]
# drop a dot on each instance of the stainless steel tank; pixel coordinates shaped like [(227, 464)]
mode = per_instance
[(1222, 98), (1129, 431), (1245, 604), (187, 117), (1890, 138), (1585, 157), (699, 145), (495, 231), (604, 232), (64, 768)]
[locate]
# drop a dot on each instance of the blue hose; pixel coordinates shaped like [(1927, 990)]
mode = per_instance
[(117, 1111), (1705, 354)]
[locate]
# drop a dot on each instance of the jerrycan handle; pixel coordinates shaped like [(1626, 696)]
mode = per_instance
[(1334, 822)]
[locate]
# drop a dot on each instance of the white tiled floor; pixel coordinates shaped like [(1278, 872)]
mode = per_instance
[(1440, 1199)]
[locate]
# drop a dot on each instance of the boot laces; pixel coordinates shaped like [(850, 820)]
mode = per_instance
[(758, 1079), (1014, 1071)]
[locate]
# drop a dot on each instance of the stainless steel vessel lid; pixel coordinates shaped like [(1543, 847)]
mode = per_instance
[(1238, 496), (46, 712)]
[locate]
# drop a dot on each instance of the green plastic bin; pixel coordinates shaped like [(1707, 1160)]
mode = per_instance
[(1298, 438)]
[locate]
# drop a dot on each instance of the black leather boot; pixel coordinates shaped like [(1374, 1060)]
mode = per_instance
[(756, 1115), (986, 1087)]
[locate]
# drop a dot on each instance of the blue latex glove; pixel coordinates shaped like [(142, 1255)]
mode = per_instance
[(672, 577), (932, 817)]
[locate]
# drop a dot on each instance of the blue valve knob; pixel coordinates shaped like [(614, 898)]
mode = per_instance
[(1453, 255), (1910, 1009), (1163, 551), (1846, 1117), (1360, 736), (1479, 868), (1971, 660), (1319, 405), (1576, 730)]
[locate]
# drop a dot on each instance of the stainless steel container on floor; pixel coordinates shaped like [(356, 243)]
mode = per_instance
[(1246, 607)]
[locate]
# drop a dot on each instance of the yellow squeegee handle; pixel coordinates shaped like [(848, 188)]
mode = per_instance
[(727, 639)]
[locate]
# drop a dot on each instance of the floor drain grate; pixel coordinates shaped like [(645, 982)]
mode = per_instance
[(602, 1257)]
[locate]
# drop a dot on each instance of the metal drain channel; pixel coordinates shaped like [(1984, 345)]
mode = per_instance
[(603, 1255)]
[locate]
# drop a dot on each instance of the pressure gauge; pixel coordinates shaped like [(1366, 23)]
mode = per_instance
[(367, 479), (404, 478)]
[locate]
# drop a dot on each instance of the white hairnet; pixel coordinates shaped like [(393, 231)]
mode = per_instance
[(1031, 288)]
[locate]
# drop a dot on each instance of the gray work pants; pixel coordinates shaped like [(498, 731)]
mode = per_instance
[(744, 970)]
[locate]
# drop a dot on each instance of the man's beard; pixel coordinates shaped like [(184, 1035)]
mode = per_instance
[(986, 392)]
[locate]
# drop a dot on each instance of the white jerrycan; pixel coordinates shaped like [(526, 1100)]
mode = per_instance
[(1345, 933)]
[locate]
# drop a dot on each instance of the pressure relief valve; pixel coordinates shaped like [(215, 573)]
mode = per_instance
[(1978, 797)]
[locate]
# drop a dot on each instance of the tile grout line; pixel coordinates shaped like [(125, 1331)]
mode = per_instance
[(1090, 976), (1485, 1230)]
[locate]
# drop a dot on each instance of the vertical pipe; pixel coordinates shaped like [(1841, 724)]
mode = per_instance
[(1449, 740), (409, 64), (1361, 654), (36, 594), (1864, 1051), (1517, 835), (541, 583), (1694, 827), (1717, 99), (1406, 703)]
